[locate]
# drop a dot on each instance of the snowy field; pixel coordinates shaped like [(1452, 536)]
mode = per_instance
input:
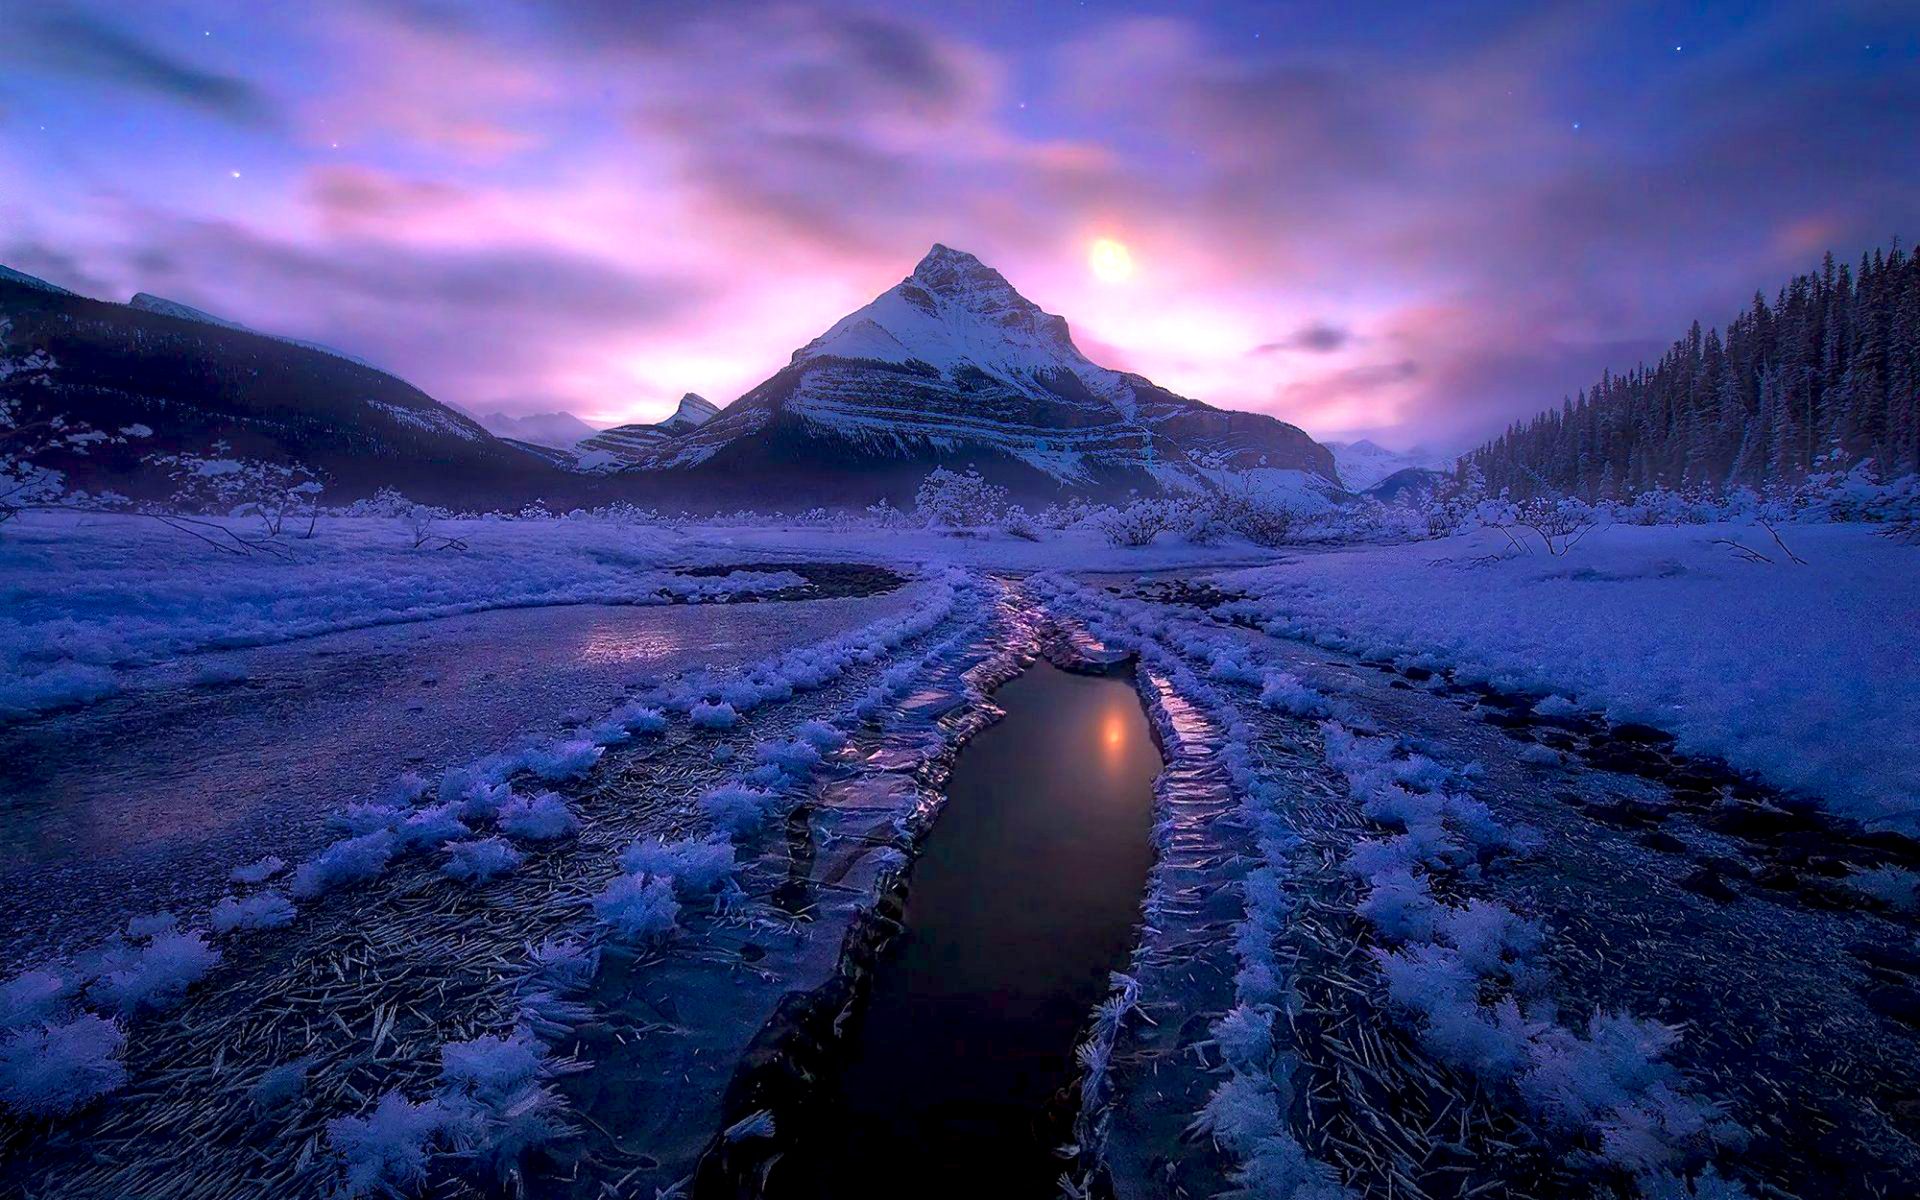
[(1805, 674), (369, 886)]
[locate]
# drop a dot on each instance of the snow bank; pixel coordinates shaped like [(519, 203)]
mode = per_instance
[(80, 595), (1802, 673)]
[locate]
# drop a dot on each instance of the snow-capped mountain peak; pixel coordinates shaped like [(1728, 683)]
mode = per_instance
[(694, 411), (954, 311)]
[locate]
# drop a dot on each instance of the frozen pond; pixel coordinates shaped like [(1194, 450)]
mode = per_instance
[(1025, 898)]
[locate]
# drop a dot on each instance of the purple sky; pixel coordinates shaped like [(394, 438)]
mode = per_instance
[(1410, 221)]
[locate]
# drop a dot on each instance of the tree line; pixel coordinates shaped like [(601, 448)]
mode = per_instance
[(1824, 377)]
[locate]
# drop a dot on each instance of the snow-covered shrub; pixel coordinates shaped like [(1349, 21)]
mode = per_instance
[(431, 827), (386, 1152), (1017, 523), (561, 760), (349, 860), (156, 975), (565, 965), (883, 515), (1282, 691), (1137, 524), (713, 716), (357, 819), (957, 501), (822, 736), (697, 867), (495, 1089), (50, 1070), (640, 908), (543, 818), (794, 758), (219, 484), (258, 871), (480, 861), (267, 910), (1245, 1036), (736, 809), (33, 996)]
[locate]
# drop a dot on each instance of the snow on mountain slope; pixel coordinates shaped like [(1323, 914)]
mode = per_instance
[(625, 444), (953, 365), (1364, 463)]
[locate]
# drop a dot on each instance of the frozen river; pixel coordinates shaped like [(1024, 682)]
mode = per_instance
[(146, 799)]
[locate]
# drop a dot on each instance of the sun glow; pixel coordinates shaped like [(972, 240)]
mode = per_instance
[(1111, 261)]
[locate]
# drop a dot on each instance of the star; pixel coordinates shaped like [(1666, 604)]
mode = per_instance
[(235, 174)]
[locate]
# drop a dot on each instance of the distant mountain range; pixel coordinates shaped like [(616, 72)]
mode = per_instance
[(1363, 464), (558, 430), (951, 367)]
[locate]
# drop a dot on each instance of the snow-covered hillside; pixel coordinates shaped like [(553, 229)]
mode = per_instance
[(558, 430)]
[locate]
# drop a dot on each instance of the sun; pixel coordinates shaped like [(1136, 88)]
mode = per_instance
[(1111, 261)]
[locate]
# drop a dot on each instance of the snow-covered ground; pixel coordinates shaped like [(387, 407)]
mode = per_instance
[(1803, 673), (80, 596), (83, 598), (1497, 967)]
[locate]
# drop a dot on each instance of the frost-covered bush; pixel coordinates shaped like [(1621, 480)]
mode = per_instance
[(697, 867), (267, 910), (386, 1152), (480, 861), (50, 1070), (156, 975), (713, 716), (564, 965), (494, 1088), (543, 818), (639, 908), (955, 500), (277, 495), (432, 827), (33, 996), (736, 809), (349, 860), (1018, 523), (1137, 524), (822, 736), (561, 760)]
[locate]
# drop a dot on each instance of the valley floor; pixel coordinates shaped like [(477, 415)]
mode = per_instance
[(1414, 927)]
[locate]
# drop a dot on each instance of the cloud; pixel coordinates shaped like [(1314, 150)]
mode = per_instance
[(1315, 337), (66, 39)]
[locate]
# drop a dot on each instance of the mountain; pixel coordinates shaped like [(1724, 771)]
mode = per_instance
[(624, 445), (1827, 375), (148, 302), (953, 367), (9, 275), (195, 379), (1364, 463), (557, 430)]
